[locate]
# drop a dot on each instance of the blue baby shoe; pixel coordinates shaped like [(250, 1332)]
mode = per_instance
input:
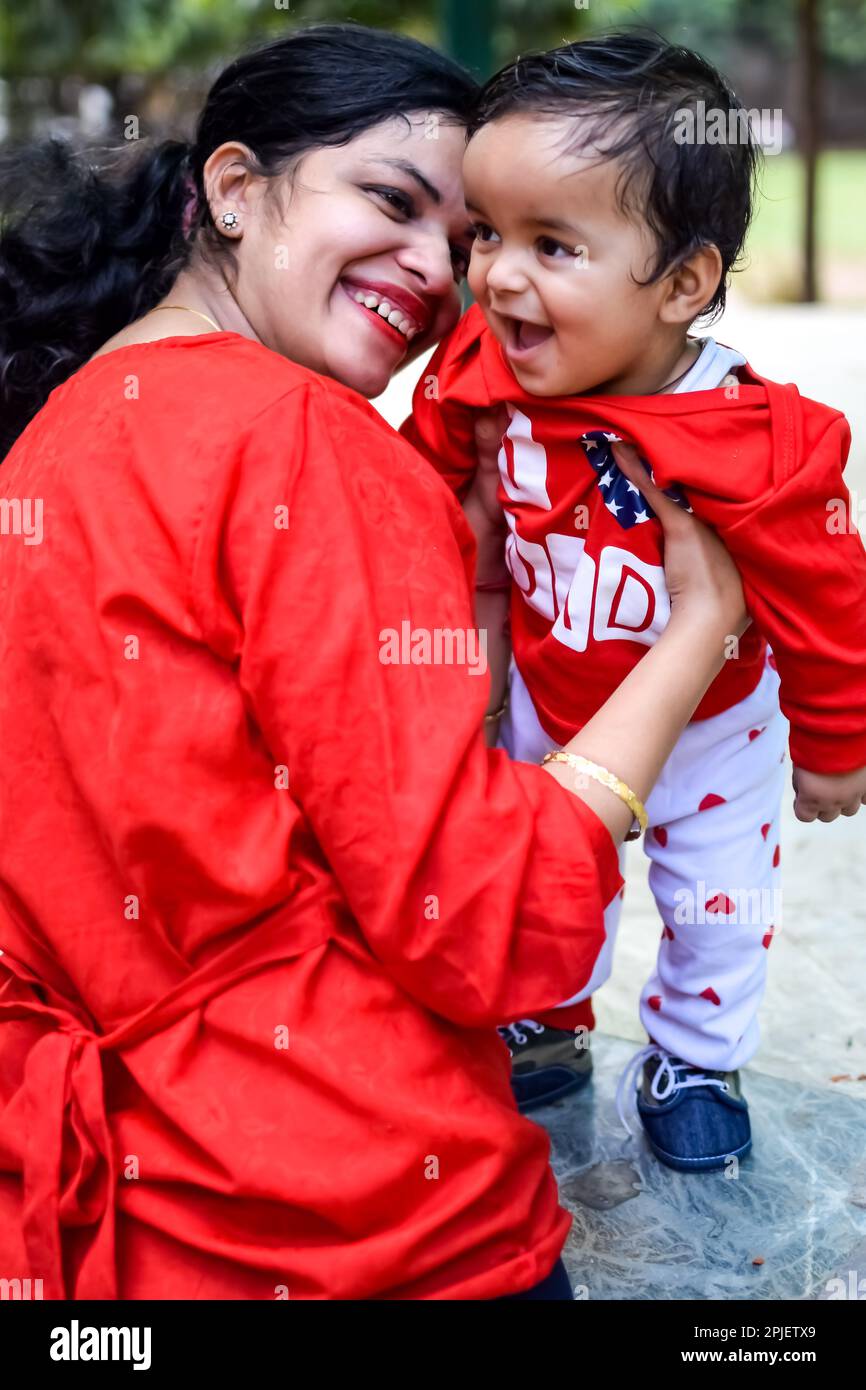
[(695, 1120), (546, 1063)]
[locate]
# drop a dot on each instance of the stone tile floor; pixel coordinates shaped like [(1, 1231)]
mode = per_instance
[(642, 1231)]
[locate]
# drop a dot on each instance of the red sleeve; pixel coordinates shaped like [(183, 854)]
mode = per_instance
[(442, 423), (479, 883), (804, 577)]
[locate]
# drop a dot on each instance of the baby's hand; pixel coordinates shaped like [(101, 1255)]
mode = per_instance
[(824, 796)]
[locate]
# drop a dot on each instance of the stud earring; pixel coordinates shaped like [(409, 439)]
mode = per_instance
[(230, 221)]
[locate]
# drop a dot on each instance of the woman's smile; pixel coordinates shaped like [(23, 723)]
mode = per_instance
[(395, 313)]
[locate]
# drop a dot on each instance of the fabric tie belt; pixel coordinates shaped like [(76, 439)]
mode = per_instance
[(63, 1096)]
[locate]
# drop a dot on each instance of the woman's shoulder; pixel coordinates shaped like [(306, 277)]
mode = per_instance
[(178, 424), (180, 403), (193, 373)]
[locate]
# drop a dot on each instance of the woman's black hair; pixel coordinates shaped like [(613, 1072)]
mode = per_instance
[(647, 103), (88, 244)]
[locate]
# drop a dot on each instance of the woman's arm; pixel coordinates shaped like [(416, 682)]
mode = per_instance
[(643, 719)]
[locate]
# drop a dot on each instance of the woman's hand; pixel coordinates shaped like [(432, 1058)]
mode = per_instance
[(490, 426), (702, 579), (482, 507), (493, 580)]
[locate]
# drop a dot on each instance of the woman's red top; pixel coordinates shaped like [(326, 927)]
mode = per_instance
[(263, 895)]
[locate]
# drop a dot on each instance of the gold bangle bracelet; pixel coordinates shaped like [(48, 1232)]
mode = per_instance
[(607, 779)]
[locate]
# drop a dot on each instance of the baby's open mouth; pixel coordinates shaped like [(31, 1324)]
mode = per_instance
[(524, 336)]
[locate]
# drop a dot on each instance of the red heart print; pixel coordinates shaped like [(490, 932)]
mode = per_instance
[(710, 993), (720, 903), (711, 799)]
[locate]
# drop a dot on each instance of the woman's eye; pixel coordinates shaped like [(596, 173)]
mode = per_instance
[(484, 233), (396, 198), (550, 247)]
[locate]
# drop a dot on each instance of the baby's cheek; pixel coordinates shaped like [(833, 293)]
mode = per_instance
[(477, 282)]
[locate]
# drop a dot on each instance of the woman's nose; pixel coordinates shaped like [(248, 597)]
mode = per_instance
[(430, 261)]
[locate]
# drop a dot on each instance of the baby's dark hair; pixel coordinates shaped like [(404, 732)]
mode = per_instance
[(637, 96)]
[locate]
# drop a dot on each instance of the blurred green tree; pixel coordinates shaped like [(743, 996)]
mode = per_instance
[(173, 43)]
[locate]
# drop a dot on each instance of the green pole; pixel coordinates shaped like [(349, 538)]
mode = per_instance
[(466, 28)]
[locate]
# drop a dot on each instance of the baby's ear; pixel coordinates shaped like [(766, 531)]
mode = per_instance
[(691, 285)]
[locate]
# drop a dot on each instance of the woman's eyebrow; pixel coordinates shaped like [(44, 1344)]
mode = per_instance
[(410, 169)]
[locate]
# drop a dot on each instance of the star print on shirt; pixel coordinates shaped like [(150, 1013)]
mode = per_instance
[(624, 501)]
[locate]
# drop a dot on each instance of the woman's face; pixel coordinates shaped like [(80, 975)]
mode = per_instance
[(353, 263)]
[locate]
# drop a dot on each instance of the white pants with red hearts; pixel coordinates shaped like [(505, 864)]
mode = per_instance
[(713, 844)]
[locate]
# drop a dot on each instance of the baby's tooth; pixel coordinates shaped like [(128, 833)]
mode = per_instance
[(371, 301), (360, 296), (404, 325), (384, 308), (395, 318), (413, 333)]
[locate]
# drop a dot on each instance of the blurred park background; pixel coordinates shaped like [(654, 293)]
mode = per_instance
[(78, 68)]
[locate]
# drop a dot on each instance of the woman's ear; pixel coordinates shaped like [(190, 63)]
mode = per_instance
[(691, 285), (229, 182)]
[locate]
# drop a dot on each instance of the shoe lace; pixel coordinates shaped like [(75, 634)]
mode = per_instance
[(511, 1032), (666, 1081)]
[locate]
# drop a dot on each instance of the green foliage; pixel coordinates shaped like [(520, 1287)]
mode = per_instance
[(105, 39), (537, 25), (717, 27), (101, 39)]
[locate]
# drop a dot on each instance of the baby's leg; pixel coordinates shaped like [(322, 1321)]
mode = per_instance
[(714, 847)]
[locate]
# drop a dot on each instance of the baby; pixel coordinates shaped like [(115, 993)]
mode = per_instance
[(603, 232)]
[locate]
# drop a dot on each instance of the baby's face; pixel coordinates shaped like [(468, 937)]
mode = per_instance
[(555, 260)]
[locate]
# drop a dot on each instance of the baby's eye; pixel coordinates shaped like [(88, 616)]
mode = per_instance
[(548, 246), (484, 233)]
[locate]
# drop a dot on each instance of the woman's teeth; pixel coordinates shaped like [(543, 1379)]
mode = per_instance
[(395, 317)]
